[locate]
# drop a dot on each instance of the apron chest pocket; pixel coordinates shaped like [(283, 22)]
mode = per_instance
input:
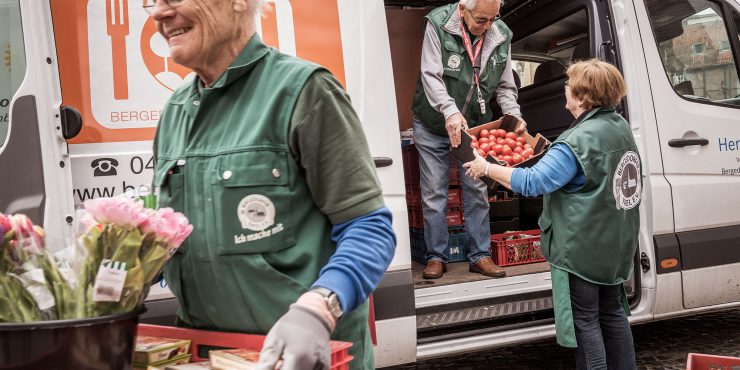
[(252, 203)]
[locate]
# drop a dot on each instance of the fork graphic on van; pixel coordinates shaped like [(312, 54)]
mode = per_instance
[(116, 15)]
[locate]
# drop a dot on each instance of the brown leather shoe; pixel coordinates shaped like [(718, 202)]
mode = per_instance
[(434, 270), (486, 267)]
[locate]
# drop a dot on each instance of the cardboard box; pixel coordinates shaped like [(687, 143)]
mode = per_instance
[(154, 350), (465, 153), (177, 360)]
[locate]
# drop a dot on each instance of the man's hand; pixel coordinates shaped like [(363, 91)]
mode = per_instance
[(521, 125), (454, 125), (301, 337)]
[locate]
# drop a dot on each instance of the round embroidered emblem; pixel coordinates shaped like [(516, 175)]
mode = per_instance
[(454, 61), (256, 212), (627, 184)]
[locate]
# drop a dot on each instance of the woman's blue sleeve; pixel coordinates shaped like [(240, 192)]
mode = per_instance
[(558, 168)]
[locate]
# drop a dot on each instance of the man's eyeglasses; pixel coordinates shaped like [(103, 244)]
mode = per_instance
[(481, 21), (148, 5)]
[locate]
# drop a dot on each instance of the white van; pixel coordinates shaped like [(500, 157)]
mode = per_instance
[(82, 84)]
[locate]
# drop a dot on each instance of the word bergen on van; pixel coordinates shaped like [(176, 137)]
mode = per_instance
[(79, 106)]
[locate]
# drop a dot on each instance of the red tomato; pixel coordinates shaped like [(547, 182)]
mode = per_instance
[(506, 158), (506, 151), (500, 141), (526, 156), (501, 133), (474, 144), (484, 133), (492, 153), (511, 135), (527, 145), (498, 148), (485, 147), (516, 159), (521, 140), (481, 152), (484, 140), (518, 150), (511, 144)]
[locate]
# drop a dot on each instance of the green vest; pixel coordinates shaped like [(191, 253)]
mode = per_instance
[(593, 231), (458, 70), (259, 240)]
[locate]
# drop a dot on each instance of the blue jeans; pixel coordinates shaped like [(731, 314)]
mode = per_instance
[(603, 333), (434, 169)]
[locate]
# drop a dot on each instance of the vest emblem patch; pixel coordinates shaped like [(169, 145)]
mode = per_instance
[(256, 212), (627, 184), (454, 61)]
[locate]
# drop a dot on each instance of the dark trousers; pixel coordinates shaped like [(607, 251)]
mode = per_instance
[(603, 333)]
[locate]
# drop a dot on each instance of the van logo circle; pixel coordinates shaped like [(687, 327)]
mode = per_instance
[(627, 182), (256, 212), (454, 61)]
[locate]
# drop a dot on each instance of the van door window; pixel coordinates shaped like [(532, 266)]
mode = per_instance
[(695, 49), (12, 59), (544, 55)]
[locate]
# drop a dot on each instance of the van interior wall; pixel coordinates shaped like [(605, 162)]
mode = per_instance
[(406, 34)]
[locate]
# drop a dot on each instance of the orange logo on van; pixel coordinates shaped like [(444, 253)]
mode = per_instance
[(116, 70)]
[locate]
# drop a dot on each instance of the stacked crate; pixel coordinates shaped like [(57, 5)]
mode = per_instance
[(503, 211), (456, 244)]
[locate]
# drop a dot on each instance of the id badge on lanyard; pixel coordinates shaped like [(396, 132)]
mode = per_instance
[(473, 58)]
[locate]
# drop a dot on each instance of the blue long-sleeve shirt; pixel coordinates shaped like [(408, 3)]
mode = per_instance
[(365, 247), (558, 168)]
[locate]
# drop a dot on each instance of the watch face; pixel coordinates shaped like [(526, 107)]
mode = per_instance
[(334, 306)]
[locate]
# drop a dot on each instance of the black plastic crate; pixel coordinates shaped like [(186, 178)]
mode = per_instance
[(502, 226)]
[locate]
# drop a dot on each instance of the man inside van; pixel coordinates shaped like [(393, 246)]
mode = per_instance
[(464, 64)]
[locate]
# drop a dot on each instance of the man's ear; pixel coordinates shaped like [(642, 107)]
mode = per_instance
[(240, 5)]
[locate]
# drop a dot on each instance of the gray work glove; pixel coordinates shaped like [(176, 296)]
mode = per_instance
[(300, 338)]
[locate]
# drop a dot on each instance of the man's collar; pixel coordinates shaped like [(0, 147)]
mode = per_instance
[(250, 55)]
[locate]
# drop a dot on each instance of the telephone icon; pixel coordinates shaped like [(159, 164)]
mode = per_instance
[(104, 167)]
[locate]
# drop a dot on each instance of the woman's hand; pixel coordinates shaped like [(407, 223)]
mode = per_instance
[(477, 167)]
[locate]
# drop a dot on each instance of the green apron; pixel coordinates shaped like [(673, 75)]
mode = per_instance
[(609, 199), (259, 240), (458, 70)]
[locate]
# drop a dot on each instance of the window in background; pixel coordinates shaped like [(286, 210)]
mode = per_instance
[(12, 60)]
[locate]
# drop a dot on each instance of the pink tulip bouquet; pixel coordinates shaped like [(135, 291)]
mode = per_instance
[(31, 286), (126, 247)]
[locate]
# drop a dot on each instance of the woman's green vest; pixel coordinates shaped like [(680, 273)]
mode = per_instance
[(458, 70)]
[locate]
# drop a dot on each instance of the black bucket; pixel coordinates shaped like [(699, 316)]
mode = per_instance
[(100, 343)]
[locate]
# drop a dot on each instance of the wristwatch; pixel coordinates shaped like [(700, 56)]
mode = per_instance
[(332, 301)]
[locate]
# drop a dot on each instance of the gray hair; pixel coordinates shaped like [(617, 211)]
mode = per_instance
[(470, 4)]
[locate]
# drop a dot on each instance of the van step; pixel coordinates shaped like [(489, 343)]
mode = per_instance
[(466, 316)]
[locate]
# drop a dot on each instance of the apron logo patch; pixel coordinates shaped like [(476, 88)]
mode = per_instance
[(257, 213), (454, 61), (627, 185)]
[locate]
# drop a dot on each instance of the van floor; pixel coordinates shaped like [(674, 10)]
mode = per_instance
[(457, 273)]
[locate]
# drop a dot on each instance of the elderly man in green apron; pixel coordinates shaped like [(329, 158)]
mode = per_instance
[(284, 242), (592, 184)]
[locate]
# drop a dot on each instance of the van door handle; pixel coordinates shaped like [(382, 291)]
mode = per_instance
[(382, 161), (680, 143)]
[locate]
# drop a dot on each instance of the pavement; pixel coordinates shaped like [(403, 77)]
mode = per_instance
[(660, 345)]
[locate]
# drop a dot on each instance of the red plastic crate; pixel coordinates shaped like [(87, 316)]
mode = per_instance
[(510, 249), (340, 357), (697, 361), (454, 216), (454, 197)]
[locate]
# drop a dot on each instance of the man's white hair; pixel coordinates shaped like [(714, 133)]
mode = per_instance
[(470, 4)]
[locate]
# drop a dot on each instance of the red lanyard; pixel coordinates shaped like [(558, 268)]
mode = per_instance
[(469, 45)]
